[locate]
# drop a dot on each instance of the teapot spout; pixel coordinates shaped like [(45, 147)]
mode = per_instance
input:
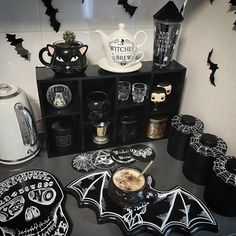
[(103, 36)]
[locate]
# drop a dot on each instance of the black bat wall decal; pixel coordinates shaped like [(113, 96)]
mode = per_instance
[(213, 67), (176, 209), (128, 8), (211, 1), (51, 12), (233, 3), (17, 42)]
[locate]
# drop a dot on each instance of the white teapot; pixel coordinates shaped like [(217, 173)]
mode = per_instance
[(121, 47)]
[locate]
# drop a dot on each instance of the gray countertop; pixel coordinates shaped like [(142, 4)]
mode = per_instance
[(166, 171)]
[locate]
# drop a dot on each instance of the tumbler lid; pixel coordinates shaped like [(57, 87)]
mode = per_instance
[(169, 13), (209, 140), (188, 120)]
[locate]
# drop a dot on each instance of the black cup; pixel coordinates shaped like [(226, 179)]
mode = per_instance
[(123, 191)]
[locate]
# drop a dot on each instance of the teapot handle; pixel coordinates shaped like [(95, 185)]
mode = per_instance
[(41, 56), (145, 38)]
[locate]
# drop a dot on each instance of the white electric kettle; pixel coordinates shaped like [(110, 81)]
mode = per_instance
[(19, 141)]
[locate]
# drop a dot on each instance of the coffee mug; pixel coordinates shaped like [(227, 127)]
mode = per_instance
[(128, 187)]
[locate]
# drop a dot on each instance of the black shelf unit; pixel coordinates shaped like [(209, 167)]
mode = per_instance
[(95, 78)]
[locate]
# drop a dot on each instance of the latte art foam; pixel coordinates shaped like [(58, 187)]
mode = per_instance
[(128, 179)]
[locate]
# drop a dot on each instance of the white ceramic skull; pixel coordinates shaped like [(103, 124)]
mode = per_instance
[(30, 204)]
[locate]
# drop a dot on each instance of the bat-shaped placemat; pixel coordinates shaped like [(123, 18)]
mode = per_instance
[(17, 43), (51, 12), (31, 204), (176, 209), (213, 67)]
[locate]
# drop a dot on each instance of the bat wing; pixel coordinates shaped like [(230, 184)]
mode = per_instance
[(184, 212), (233, 2), (128, 8), (213, 67), (89, 188), (17, 42), (51, 12)]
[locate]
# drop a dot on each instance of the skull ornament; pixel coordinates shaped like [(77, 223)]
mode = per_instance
[(30, 204)]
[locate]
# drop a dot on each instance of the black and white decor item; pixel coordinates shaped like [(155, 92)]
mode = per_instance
[(31, 204), (107, 159), (176, 209)]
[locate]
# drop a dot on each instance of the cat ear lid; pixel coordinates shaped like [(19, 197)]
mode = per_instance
[(51, 49), (83, 49)]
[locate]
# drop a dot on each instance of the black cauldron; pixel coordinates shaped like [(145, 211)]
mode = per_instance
[(128, 189)]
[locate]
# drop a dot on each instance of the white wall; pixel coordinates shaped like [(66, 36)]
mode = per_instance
[(26, 19), (205, 27)]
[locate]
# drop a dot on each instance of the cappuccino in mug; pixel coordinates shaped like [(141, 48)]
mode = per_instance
[(128, 180)]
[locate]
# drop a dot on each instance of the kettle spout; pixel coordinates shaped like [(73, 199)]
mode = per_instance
[(103, 36)]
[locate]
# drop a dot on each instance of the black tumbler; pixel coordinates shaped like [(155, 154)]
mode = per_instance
[(167, 23), (200, 155), (182, 128), (220, 190)]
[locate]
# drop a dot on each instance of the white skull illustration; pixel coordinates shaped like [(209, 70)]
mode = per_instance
[(30, 204)]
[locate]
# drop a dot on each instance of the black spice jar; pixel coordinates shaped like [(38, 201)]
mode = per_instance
[(62, 135), (129, 126), (182, 128), (220, 190), (200, 155)]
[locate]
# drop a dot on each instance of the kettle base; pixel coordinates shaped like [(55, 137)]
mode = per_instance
[(21, 160)]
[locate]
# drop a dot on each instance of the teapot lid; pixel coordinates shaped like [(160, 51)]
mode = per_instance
[(7, 90), (169, 13), (121, 31)]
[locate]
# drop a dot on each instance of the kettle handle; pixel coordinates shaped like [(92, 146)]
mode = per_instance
[(26, 124), (144, 40), (41, 56)]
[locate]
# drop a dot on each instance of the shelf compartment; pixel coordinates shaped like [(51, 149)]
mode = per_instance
[(62, 136)]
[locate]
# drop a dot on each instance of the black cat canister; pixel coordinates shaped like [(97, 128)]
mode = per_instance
[(182, 128), (200, 155), (167, 23), (220, 190), (62, 135)]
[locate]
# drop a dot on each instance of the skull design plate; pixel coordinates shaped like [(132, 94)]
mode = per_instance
[(31, 204)]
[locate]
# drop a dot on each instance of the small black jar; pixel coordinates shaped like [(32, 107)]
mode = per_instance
[(62, 135), (220, 190), (182, 128), (128, 128), (200, 155)]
